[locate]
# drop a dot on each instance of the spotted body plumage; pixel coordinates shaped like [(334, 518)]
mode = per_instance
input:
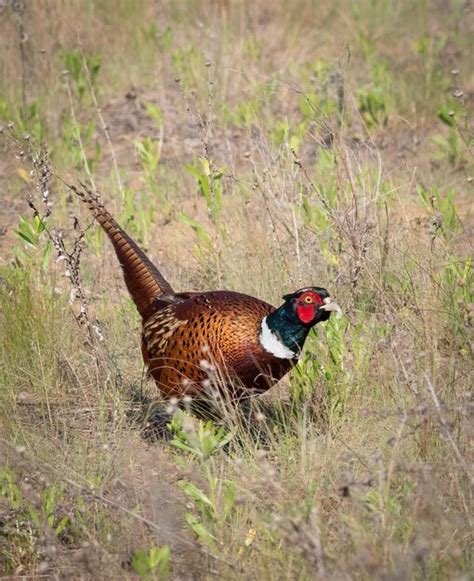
[(211, 335)]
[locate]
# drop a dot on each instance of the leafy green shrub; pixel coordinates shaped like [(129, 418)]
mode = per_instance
[(152, 563), (83, 69)]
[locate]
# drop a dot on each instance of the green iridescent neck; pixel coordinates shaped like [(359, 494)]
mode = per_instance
[(284, 323)]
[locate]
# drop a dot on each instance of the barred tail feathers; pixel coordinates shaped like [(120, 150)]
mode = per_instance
[(144, 281)]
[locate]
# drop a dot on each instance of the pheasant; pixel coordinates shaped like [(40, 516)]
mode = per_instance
[(193, 342)]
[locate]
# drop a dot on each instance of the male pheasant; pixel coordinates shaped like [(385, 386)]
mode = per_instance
[(192, 340)]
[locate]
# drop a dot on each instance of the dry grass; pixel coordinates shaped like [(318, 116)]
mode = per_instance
[(336, 141)]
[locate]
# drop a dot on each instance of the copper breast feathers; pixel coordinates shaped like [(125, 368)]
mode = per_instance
[(191, 340)]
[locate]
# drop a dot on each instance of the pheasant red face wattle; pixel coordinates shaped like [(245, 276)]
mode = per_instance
[(307, 305)]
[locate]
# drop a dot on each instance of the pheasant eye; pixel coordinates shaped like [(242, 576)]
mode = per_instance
[(308, 299)]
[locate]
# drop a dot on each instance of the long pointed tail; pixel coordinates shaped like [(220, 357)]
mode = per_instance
[(143, 279)]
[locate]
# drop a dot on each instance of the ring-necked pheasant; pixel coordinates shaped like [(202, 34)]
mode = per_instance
[(192, 339)]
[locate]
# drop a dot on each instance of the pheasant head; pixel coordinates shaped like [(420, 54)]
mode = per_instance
[(283, 332)]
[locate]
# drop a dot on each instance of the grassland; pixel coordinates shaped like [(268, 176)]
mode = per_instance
[(255, 146)]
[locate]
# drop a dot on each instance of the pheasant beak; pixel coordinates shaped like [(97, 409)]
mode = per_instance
[(330, 305)]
